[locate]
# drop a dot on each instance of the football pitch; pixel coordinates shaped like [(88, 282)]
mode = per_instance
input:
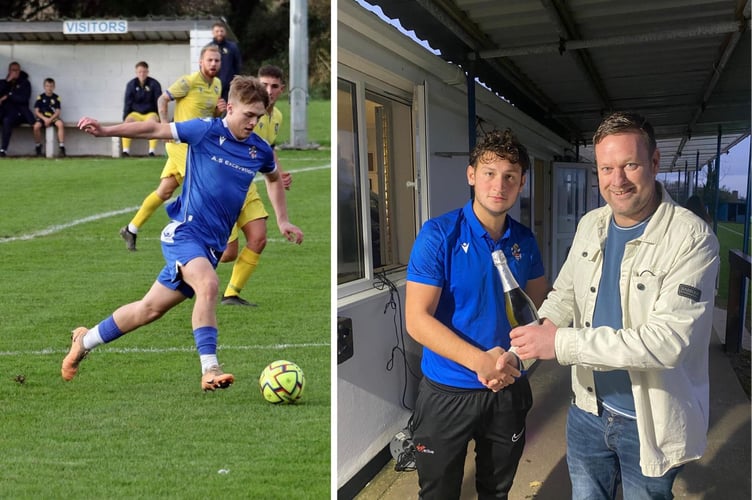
[(134, 422)]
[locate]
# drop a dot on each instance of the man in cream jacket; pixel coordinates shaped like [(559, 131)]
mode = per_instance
[(631, 312)]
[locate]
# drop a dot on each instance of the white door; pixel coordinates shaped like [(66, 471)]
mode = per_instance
[(572, 197)]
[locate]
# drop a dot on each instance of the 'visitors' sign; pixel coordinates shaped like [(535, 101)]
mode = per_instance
[(95, 27)]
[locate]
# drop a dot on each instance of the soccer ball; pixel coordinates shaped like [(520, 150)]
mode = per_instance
[(282, 382)]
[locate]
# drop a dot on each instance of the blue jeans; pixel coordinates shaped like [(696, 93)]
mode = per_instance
[(603, 451)]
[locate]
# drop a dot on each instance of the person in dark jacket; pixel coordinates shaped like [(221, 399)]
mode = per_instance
[(231, 60), (15, 92), (141, 96)]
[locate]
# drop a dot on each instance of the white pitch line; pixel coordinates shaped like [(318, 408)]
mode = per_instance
[(162, 350), (61, 227), (730, 230)]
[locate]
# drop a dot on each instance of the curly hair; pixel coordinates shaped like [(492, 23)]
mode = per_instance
[(503, 145)]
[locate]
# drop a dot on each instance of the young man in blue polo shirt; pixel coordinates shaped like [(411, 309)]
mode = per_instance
[(455, 309), (223, 158)]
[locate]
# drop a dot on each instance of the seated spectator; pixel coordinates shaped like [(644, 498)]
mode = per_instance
[(47, 111), (15, 92), (141, 95)]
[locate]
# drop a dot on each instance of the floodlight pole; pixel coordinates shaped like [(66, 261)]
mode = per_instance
[(298, 74)]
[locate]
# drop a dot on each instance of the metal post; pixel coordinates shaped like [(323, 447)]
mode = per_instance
[(743, 286), (716, 180), (471, 136), (748, 215), (686, 180), (697, 168), (298, 73)]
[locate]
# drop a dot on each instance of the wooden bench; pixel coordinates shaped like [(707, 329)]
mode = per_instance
[(77, 143)]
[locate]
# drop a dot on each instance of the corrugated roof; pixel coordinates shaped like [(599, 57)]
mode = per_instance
[(683, 64), (139, 30)]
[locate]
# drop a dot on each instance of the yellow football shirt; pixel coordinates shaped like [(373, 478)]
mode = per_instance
[(268, 126), (194, 97)]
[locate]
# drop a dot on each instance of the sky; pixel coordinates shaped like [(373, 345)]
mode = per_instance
[(735, 168)]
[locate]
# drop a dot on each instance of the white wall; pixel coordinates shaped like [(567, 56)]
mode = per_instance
[(369, 397), (369, 412), (90, 79)]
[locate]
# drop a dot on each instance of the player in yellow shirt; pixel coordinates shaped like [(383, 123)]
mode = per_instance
[(252, 219), (196, 95)]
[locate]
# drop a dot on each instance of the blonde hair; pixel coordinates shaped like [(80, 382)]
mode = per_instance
[(248, 89)]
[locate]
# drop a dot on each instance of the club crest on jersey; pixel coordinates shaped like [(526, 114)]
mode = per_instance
[(516, 252), (252, 152), (222, 139)]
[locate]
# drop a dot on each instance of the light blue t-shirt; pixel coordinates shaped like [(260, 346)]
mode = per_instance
[(614, 387)]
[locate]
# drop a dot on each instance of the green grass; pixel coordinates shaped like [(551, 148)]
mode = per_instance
[(730, 236), (319, 128), (134, 422)]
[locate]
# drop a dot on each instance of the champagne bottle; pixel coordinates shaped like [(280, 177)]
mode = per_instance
[(520, 309)]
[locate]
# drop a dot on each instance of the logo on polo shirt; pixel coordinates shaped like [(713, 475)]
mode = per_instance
[(516, 252), (465, 246), (222, 139)]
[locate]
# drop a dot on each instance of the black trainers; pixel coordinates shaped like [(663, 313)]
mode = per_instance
[(236, 300), (2, 153), (151, 153), (38, 149), (126, 154), (61, 149), (129, 237)]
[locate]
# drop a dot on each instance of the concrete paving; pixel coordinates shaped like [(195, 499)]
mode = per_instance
[(722, 473)]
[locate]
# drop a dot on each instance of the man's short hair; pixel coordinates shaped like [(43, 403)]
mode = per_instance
[(272, 71), (626, 121), (219, 24), (49, 80), (210, 46), (503, 145), (142, 64), (248, 89)]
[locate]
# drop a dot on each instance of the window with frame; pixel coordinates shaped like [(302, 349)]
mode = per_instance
[(376, 207)]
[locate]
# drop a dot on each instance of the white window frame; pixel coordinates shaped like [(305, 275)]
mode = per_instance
[(360, 288)]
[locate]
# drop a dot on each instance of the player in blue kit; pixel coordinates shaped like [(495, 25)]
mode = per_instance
[(454, 307), (223, 157)]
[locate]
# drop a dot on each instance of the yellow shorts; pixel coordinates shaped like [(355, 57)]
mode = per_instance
[(253, 208), (176, 157), (142, 117)]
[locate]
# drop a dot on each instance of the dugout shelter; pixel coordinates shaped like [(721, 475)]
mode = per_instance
[(91, 62)]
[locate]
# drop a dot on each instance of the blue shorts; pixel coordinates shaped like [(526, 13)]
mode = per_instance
[(179, 248)]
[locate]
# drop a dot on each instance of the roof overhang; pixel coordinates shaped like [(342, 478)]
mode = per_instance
[(684, 65)]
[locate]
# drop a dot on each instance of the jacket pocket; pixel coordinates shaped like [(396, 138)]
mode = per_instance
[(643, 290)]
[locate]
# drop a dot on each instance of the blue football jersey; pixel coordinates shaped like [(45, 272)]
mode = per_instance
[(219, 170)]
